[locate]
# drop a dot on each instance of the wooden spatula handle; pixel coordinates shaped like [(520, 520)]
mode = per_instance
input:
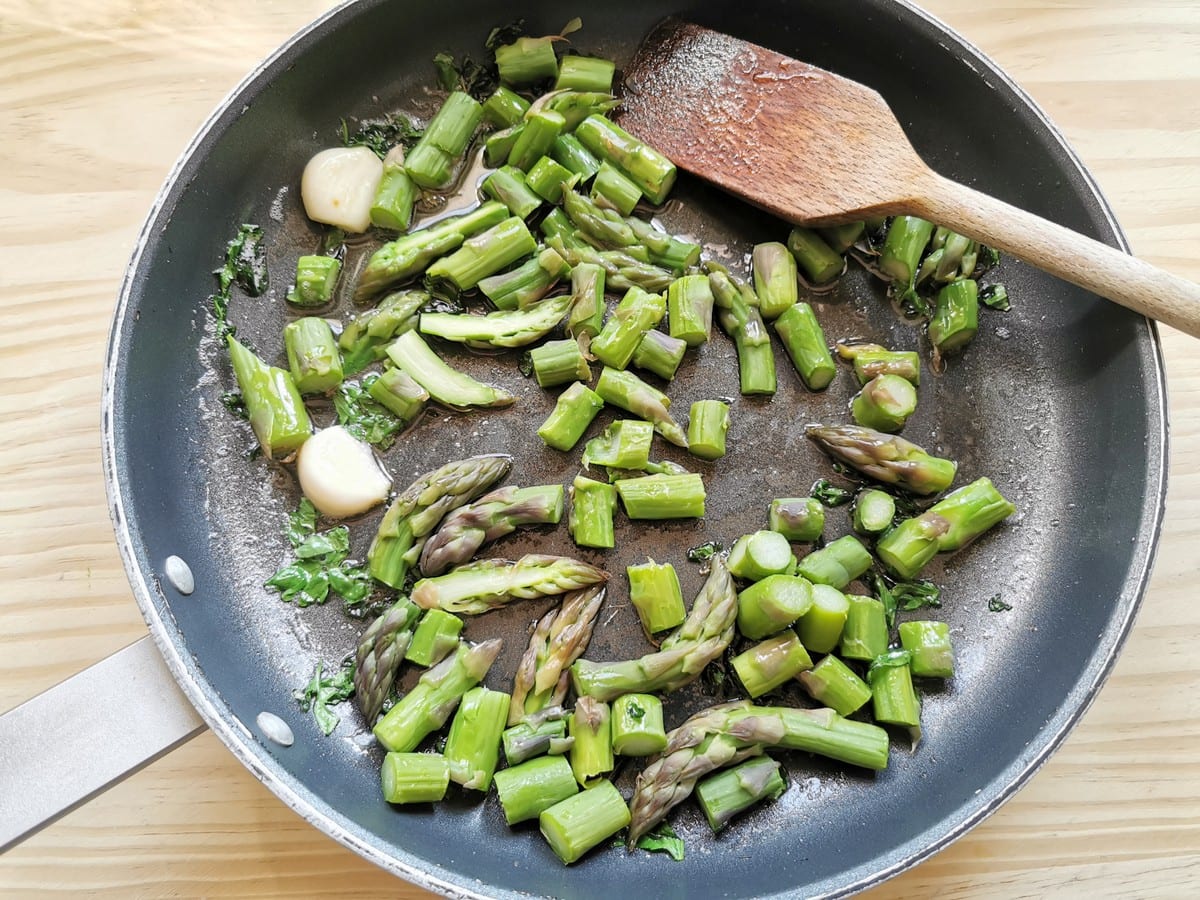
[(1071, 256)]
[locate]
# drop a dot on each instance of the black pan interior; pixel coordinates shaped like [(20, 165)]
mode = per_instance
[(1060, 402)]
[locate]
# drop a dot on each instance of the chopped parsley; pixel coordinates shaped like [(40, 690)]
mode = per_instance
[(663, 839), (912, 595), (245, 266), (382, 134), (830, 494), (704, 552), (319, 567), (324, 691), (995, 296), (364, 417), (995, 604)]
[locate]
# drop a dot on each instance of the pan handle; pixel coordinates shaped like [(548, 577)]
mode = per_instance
[(82, 736)]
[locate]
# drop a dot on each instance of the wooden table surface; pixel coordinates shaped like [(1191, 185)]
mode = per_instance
[(97, 98)]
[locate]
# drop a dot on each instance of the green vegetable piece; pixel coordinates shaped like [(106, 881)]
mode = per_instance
[(431, 162), (312, 353), (865, 635), (797, 518), (527, 60), (529, 739), (414, 777), (737, 311), (547, 178), (473, 745), (591, 754), (509, 186), (708, 423), (324, 691), (874, 511), (841, 238), (625, 444), (630, 393), (818, 260), (485, 254), (736, 790), (498, 145), (577, 406), (613, 190), (435, 636), (955, 316), (894, 701), (637, 725), (504, 107), (772, 604), (558, 362), (690, 309), (577, 824), (929, 644), (529, 789), (804, 341), (655, 593), (364, 338), (884, 403), (522, 287), (444, 384), (907, 238), (573, 156), (837, 563), (505, 328), (585, 73), (771, 663), (873, 363), (394, 198), (585, 316), (660, 354), (646, 167), (755, 556), (273, 403), (637, 313), (662, 496), (821, 626), (886, 458), (398, 393), (590, 520), (774, 279), (536, 138), (832, 683), (316, 277)]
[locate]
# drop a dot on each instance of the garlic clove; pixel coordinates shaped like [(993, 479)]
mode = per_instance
[(338, 187), (341, 474)]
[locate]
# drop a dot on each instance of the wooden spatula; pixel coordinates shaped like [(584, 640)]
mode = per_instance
[(818, 149)]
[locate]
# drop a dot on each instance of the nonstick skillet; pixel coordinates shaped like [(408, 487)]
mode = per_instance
[(1059, 401)]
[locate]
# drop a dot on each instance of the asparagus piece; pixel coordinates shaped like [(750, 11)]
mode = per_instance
[(871, 360), (559, 638), (637, 725), (645, 166), (630, 393), (418, 509), (591, 754), (585, 316), (527, 60), (865, 634), (874, 511), (928, 643), (504, 107), (797, 518), (818, 260), (506, 328), (499, 144), (894, 701), (655, 593), (488, 583), (429, 704), (536, 138), (473, 745), (884, 403), (771, 663), (821, 626), (487, 519), (664, 249), (729, 793), (431, 162), (886, 458), (537, 736), (316, 277), (841, 238), (379, 654), (585, 73), (575, 106), (955, 317), (485, 254), (948, 525), (755, 556), (313, 358), (364, 338), (591, 518), (508, 186), (690, 309), (637, 313), (434, 637), (739, 317), (832, 683), (604, 228), (682, 656), (529, 789), (771, 605), (572, 414), (624, 444), (622, 270), (613, 190), (576, 825), (662, 496), (276, 412), (995, 296), (774, 279), (395, 195), (573, 156), (414, 777), (398, 393), (548, 178), (444, 384), (559, 362), (529, 282), (907, 238), (804, 341), (660, 354), (409, 254), (837, 563), (708, 423)]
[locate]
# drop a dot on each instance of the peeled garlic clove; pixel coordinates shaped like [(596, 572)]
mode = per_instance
[(338, 187), (340, 473)]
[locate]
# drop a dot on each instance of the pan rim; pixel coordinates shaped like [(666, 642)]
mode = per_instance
[(428, 873)]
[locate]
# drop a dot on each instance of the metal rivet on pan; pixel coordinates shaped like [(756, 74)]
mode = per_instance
[(179, 574), (275, 729)]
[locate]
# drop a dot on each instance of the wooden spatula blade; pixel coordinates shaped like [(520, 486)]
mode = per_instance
[(736, 114)]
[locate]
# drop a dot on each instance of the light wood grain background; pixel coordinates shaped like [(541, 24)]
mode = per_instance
[(97, 98)]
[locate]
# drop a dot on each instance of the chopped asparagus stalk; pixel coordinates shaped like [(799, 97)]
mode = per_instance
[(774, 279), (772, 604), (527, 60), (273, 403), (527, 740), (395, 195), (662, 496), (821, 626), (365, 337), (832, 683), (429, 704), (874, 511), (630, 393), (736, 790), (873, 363), (573, 156), (655, 593), (547, 179), (488, 583), (637, 725), (837, 563), (739, 317), (414, 777), (708, 423), (886, 458), (508, 186), (577, 406), (485, 254), (804, 341), (504, 510), (575, 106), (637, 313), (884, 403), (506, 328), (316, 277), (841, 238), (431, 162), (528, 790), (955, 317), (755, 556), (434, 637), (818, 260), (663, 249), (499, 144), (536, 138), (598, 225), (379, 654), (625, 444), (577, 824), (797, 518), (622, 270), (528, 283), (398, 393), (660, 354), (591, 754), (591, 518), (585, 316), (893, 699), (504, 107), (646, 167), (312, 353), (613, 190), (929, 646), (865, 634), (473, 745), (585, 73), (690, 309), (907, 238), (559, 638), (559, 362), (771, 663), (444, 384)]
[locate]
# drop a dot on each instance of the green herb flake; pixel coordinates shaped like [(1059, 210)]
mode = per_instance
[(245, 266), (830, 494), (636, 712), (995, 296), (363, 417), (995, 604), (382, 134), (885, 596), (890, 660), (235, 403), (324, 691), (917, 595), (704, 552), (663, 839), (320, 566), (504, 34)]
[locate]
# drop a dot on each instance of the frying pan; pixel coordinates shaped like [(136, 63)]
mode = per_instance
[(1059, 401)]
